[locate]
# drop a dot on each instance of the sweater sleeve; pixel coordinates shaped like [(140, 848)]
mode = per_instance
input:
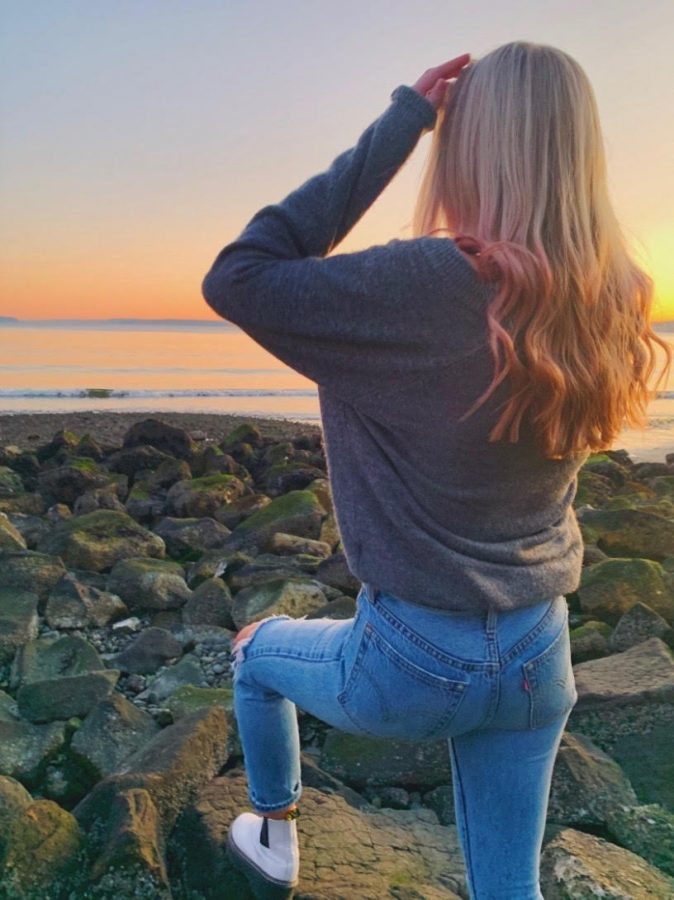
[(347, 320)]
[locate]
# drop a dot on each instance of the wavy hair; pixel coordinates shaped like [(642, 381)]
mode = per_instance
[(516, 173)]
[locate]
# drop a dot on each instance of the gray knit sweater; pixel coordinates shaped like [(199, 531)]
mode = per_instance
[(396, 339)]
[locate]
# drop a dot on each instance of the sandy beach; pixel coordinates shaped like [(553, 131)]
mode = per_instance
[(28, 430)]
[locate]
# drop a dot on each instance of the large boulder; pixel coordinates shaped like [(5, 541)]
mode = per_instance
[(363, 762), (628, 532), (610, 588), (294, 475), (265, 567), (100, 539), (49, 657), (113, 730), (646, 830), (65, 483), (66, 696), (29, 570), (146, 653), (349, 848), (165, 437), (587, 784), (191, 534), (75, 604), (27, 748), (131, 863), (648, 762), (42, 850), (197, 497), (59, 677), (579, 865), (297, 512), (19, 621), (132, 460), (31, 528), (231, 514), (147, 583), (624, 693), (172, 768), (210, 604), (639, 623), (11, 484), (10, 537), (279, 596)]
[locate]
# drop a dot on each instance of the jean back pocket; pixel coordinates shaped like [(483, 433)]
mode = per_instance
[(550, 681), (387, 694)]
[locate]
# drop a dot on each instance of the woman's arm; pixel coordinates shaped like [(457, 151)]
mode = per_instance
[(315, 217), (345, 320)]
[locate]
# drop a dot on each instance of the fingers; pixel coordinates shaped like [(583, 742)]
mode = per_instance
[(452, 67)]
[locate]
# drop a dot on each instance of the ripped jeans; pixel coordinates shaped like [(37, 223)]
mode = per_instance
[(498, 686)]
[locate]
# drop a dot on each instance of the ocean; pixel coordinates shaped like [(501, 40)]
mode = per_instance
[(125, 365)]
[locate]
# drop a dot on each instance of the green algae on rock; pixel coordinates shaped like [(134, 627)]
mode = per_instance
[(202, 496), (629, 532), (99, 539), (297, 512), (609, 588)]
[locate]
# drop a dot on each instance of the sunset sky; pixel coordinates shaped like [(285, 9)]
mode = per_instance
[(137, 137)]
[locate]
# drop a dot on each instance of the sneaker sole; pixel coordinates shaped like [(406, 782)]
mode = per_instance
[(264, 887)]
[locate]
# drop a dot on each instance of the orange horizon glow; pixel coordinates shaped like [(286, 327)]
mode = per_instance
[(64, 286), (136, 145)]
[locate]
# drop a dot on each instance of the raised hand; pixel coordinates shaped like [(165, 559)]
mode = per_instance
[(434, 83)]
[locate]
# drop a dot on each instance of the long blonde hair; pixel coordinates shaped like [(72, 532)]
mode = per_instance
[(517, 170)]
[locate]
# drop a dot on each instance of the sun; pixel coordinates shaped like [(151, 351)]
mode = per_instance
[(656, 255)]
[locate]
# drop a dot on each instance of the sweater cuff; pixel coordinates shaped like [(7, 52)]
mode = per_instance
[(407, 96)]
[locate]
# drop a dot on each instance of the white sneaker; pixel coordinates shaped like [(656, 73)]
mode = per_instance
[(268, 853)]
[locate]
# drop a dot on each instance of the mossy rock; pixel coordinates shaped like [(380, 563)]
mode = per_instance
[(10, 483), (62, 440), (244, 433), (610, 588), (97, 540), (591, 640), (592, 625), (597, 458), (296, 474), (29, 570), (361, 761), (189, 697), (10, 537), (297, 512), (198, 497), (621, 502), (148, 583), (43, 844), (593, 489), (278, 596), (78, 474), (663, 485), (629, 532)]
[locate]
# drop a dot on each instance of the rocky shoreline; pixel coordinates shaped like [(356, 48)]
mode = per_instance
[(132, 548)]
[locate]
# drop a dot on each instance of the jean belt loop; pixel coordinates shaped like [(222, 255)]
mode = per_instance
[(369, 591)]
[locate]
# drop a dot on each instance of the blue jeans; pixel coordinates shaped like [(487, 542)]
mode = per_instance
[(499, 686)]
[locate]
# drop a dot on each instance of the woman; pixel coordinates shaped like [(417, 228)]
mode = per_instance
[(463, 379)]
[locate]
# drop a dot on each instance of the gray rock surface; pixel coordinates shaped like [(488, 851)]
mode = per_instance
[(346, 852), (579, 866)]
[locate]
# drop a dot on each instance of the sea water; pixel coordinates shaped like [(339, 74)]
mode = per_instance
[(210, 367)]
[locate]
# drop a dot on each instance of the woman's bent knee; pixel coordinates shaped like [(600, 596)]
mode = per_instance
[(242, 642)]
